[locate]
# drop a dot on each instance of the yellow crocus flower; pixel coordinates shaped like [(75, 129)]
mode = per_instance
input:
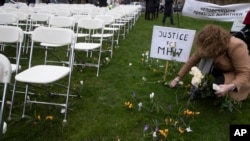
[(39, 117), (49, 118), (181, 130)]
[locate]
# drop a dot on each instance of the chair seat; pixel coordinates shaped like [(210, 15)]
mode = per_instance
[(42, 74), (118, 24), (111, 28), (86, 46), (102, 35), (50, 45), (82, 35), (28, 32)]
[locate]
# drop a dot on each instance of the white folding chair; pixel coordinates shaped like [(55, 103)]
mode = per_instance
[(60, 22), (121, 26), (23, 19), (90, 45), (48, 74), (109, 31), (76, 18), (10, 35), (36, 20), (5, 77)]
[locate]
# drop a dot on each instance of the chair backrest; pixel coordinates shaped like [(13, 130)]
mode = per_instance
[(63, 12), (117, 16), (5, 69), (76, 18), (90, 24), (108, 19), (28, 11), (22, 16), (40, 17), (61, 21), (8, 18), (11, 34), (52, 35)]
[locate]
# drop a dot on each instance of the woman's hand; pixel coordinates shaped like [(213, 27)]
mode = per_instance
[(174, 82), (224, 89)]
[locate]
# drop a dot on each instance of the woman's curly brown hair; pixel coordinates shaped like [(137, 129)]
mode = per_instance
[(212, 40)]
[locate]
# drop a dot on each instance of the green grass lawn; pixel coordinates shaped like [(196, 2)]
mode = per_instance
[(99, 114)]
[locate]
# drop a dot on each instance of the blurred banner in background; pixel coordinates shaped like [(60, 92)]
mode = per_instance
[(209, 11)]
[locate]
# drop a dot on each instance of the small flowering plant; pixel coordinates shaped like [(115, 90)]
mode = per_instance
[(160, 68), (202, 86), (152, 64), (166, 123)]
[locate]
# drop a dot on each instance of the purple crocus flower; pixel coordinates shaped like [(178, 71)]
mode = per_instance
[(133, 94), (146, 127), (170, 107), (156, 129)]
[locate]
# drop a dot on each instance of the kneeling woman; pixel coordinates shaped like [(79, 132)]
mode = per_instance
[(231, 61)]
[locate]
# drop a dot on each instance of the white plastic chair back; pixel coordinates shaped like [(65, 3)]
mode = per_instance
[(50, 36), (40, 17), (63, 12), (8, 18), (61, 21), (76, 18), (90, 23), (108, 19), (12, 34)]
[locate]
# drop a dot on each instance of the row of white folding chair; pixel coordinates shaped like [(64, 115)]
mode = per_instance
[(118, 24), (129, 15), (109, 31)]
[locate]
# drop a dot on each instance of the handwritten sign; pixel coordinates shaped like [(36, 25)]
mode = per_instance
[(171, 43), (238, 23)]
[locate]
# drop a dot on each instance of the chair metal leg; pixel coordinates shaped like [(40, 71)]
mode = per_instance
[(2, 108)]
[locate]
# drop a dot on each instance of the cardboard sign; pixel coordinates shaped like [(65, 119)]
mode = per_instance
[(171, 43), (237, 24)]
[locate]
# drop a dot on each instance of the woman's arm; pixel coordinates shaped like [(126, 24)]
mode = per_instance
[(193, 60)]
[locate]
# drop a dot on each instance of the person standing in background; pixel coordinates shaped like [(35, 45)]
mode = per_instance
[(31, 3), (168, 11), (102, 3), (157, 8), (150, 10)]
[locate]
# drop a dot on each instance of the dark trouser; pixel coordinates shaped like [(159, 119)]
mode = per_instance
[(219, 77), (170, 17)]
